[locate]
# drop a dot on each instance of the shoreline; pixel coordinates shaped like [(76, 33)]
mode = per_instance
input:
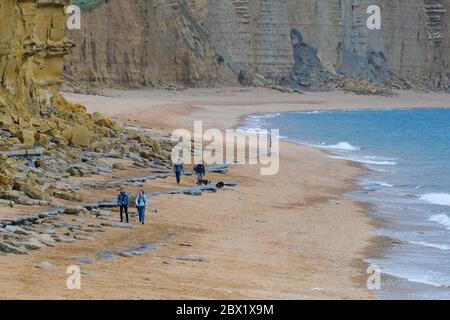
[(200, 104), (350, 185), (268, 238), (394, 286), (377, 244)]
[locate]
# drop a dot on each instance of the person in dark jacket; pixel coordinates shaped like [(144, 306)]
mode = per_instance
[(178, 169), (123, 202), (201, 172)]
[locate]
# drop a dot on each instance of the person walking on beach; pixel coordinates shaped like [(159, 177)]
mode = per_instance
[(123, 202), (141, 203), (178, 169), (201, 172)]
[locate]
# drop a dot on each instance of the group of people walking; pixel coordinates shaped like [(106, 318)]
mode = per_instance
[(123, 200)]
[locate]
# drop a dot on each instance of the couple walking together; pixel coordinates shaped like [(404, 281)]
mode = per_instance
[(123, 201)]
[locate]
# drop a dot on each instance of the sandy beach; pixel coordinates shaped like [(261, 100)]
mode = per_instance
[(269, 237)]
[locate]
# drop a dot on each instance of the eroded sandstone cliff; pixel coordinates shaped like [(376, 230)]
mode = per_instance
[(196, 42), (44, 139), (143, 43), (32, 47)]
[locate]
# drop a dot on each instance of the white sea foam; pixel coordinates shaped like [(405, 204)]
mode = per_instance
[(442, 219), (383, 184), (423, 278), (378, 183), (264, 116), (253, 130), (341, 146), (442, 199), (444, 247), (312, 112), (367, 161)]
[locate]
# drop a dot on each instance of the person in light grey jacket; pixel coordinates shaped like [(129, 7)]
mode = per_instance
[(141, 203)]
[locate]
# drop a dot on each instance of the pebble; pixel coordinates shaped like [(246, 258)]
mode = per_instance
[(125, 254), (44, 265)]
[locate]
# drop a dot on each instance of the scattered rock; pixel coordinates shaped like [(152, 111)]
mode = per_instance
[(125, 254), (6, 203), (185, 244), (44, 265), (190, 258), (79, 136), (151, 247), (74, 210), (27, 137), (11, 228), (8, 248), (138, 252), (70, 195), (64, 239), (83, 237), (123, 226), (106, 224), (85, 260), (46, 239), (118, 166), (21, 231), (32, 244), (106, 255)]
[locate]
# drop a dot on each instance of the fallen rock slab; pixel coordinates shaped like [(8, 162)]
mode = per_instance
[(190, 258), (83, 237), (8, 248), (46, 239)]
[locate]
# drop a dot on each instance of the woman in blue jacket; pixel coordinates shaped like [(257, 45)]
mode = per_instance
[(141, 203)]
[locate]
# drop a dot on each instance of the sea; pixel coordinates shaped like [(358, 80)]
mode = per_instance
[(407, 182)]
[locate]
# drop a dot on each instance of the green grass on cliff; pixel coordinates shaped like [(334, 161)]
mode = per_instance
[(87, 4)]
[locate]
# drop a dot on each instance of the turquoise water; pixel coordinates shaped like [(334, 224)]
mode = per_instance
[(407, 154)]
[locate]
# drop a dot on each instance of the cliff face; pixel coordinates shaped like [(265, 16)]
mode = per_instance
[(32, 46), (414, 35), (198, 42), (414, 39), (143, 43), (42, 136)]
